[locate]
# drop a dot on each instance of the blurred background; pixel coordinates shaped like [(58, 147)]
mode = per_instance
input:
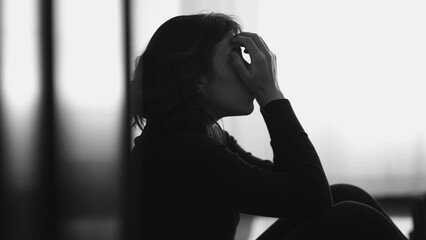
[(353, 70)]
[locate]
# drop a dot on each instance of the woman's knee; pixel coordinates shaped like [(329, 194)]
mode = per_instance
[(354, 216), (352, 210), (347, 192), (348, 220)]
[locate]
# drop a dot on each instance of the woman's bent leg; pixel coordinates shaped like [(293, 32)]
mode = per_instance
[(348, 220), (341, 193), (347, 192)]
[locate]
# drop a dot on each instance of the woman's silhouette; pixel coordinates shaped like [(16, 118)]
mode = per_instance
[(192, 179)]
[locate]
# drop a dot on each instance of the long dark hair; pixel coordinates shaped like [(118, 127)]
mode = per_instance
[(165, 85)]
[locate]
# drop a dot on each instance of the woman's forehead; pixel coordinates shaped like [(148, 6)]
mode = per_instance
[(225, 41)]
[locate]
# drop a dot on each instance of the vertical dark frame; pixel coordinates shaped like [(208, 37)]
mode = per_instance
[(47, 197), (127, 231), (2, 155)]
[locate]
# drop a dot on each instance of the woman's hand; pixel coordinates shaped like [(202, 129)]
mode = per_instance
[(260, 76)]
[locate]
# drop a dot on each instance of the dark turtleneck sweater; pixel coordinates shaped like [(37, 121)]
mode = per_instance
[(187, 186)]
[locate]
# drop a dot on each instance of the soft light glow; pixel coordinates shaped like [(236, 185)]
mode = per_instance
[(20, 88), (89, 77), (89, 91), (20, 56)]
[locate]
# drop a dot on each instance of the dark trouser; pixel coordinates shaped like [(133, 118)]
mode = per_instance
[(355, 215)]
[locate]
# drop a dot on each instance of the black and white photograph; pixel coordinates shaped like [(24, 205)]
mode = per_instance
[(213, 119)]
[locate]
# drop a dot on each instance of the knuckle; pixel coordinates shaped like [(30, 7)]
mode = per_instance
[(270, 57)]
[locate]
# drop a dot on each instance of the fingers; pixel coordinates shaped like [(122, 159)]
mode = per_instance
[(248, 38), (249, 44), (257, 39), (242, 70), (260, 75), (264, 43)]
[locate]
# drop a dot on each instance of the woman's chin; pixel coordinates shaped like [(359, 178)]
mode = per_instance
[(241, 110), (250, 109), (247, 110)]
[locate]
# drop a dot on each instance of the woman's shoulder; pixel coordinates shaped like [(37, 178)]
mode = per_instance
[(176, 140), (185, 150), (193, 140)]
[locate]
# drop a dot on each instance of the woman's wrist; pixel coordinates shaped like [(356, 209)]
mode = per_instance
[(265, 98)]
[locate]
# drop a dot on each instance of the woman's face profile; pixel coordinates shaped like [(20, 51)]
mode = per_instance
[(224, 91)]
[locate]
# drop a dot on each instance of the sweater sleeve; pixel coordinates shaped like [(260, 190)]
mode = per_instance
[(233, 145), (293, 150), (296, 188)]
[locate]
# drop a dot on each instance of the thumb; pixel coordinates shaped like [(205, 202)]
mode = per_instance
[(239, 66)]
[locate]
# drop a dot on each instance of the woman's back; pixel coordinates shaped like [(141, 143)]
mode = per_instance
[(174, 201)]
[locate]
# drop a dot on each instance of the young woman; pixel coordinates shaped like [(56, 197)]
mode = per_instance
[(192, 179)]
